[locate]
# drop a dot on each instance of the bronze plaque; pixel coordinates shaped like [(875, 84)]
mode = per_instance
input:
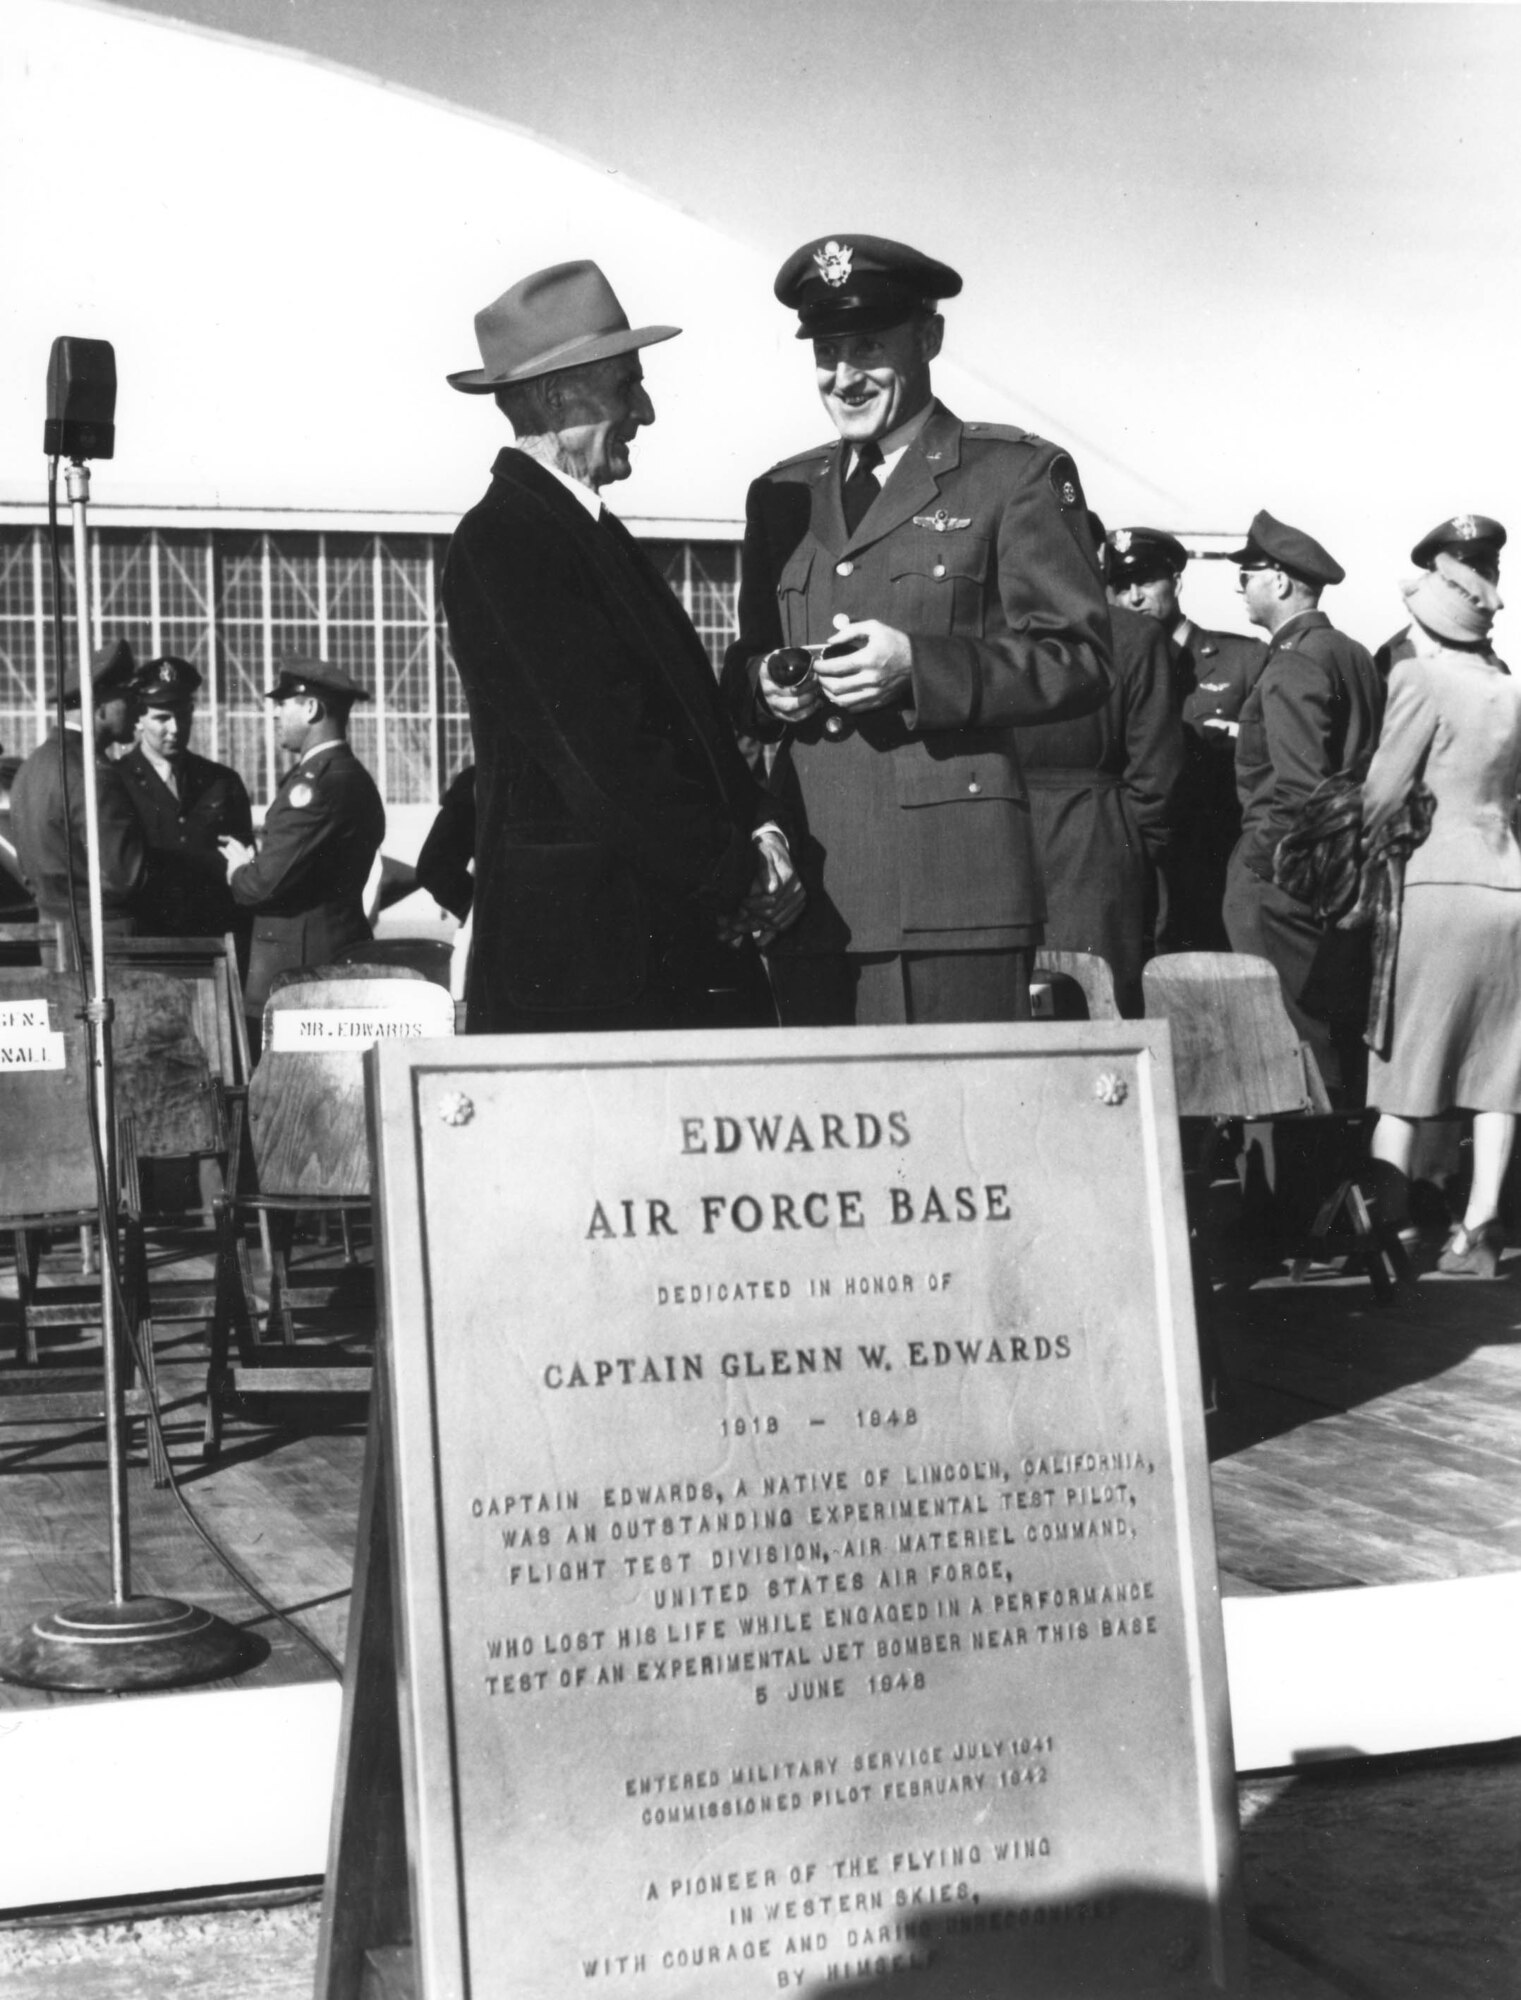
[(805, 1565)]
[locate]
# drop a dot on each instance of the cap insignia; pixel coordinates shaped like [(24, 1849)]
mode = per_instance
[(301, 795), (1121, 536), (940, 521), (169, 674), (1466, 526), (834, 262)]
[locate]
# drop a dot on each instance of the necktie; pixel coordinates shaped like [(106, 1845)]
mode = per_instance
[(861, 488)]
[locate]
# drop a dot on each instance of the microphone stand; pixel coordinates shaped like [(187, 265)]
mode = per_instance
[(127, 1642)]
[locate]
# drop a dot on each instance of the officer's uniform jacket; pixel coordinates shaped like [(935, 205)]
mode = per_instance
[(44, 841), (1399, 647), (305, 886), (918, 830), (1101, 787), (1314, 712), (186, 892), (1219, 671)]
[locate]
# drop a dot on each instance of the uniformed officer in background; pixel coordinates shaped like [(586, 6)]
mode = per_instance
[(1474, 539), (1314, 714), (305, 885), (1216, 671), (950, 569), (51, 843), (186, 804)]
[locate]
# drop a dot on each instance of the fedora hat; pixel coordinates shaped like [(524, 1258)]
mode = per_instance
[(562, 317)]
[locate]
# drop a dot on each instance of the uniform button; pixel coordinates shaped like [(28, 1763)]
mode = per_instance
[(938, 570), (973, 786), (846, 568)]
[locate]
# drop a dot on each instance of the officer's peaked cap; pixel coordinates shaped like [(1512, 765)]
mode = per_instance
[(165, 682), (111, 670), (1463, 534), (860, 284), (1135, 554), (1275, 545), (299, 675)]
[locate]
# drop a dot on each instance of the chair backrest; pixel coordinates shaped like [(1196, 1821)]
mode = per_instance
[(208, 968), (163, 1079), (306, 1109), (1091, 972), (46, 1163), (429, 956), (1236, 1053), (27, 943)]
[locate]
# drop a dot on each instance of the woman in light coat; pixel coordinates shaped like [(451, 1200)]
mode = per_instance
[(1454, 723)]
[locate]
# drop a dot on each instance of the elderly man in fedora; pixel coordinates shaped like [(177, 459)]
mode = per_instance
[(627, 862)]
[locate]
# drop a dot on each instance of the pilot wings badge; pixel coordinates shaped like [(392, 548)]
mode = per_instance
[(834, 262), (942, 522)]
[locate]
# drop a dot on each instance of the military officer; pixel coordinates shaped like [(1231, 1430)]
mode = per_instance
[(1314, 713), (50, 842), (186, 803), (942, 577), (1474, 539), (1143, 569), (305, 885)]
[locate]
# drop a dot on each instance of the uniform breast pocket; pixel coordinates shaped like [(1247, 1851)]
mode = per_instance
[(939, 584)]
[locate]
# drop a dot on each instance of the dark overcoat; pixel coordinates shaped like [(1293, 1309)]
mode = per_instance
[(614, 811), (1102, 787), (305, 886), (46, 840), (918, 828), (185, 893)]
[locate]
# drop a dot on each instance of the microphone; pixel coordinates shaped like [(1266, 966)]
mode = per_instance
[(81, 419)]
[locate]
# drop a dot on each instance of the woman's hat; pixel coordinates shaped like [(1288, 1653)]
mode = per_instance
[(1452, 601), (562, 317)]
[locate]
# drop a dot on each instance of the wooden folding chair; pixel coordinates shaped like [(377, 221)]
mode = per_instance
[(307, 1153), (48, 1185), (1086, 970), (1237, 1055)]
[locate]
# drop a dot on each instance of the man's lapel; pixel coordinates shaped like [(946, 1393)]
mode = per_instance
[(913, 487), (671, 645)]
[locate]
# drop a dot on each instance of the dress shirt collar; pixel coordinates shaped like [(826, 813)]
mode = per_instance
[(587, 495), (894, 444)]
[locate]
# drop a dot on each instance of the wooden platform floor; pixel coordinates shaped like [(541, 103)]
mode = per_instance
[(1359, 1443)]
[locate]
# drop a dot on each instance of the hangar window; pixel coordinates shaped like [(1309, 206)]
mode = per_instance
[(231, 602)]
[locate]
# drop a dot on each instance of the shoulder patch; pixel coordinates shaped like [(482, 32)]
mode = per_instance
[(300, 795), (1065, 483)]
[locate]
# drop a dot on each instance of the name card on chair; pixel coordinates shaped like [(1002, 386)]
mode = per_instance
[(27, 1041), (790, 1447), (321, 1030)]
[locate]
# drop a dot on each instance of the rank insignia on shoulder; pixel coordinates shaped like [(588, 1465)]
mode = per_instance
[(1065, 483), (941, 522), (301, 795)]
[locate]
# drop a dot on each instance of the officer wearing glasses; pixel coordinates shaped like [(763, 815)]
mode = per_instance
[(1314, 713)]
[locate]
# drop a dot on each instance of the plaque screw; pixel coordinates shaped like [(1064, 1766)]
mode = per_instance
[(1111, 1089), (456, 1109)]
